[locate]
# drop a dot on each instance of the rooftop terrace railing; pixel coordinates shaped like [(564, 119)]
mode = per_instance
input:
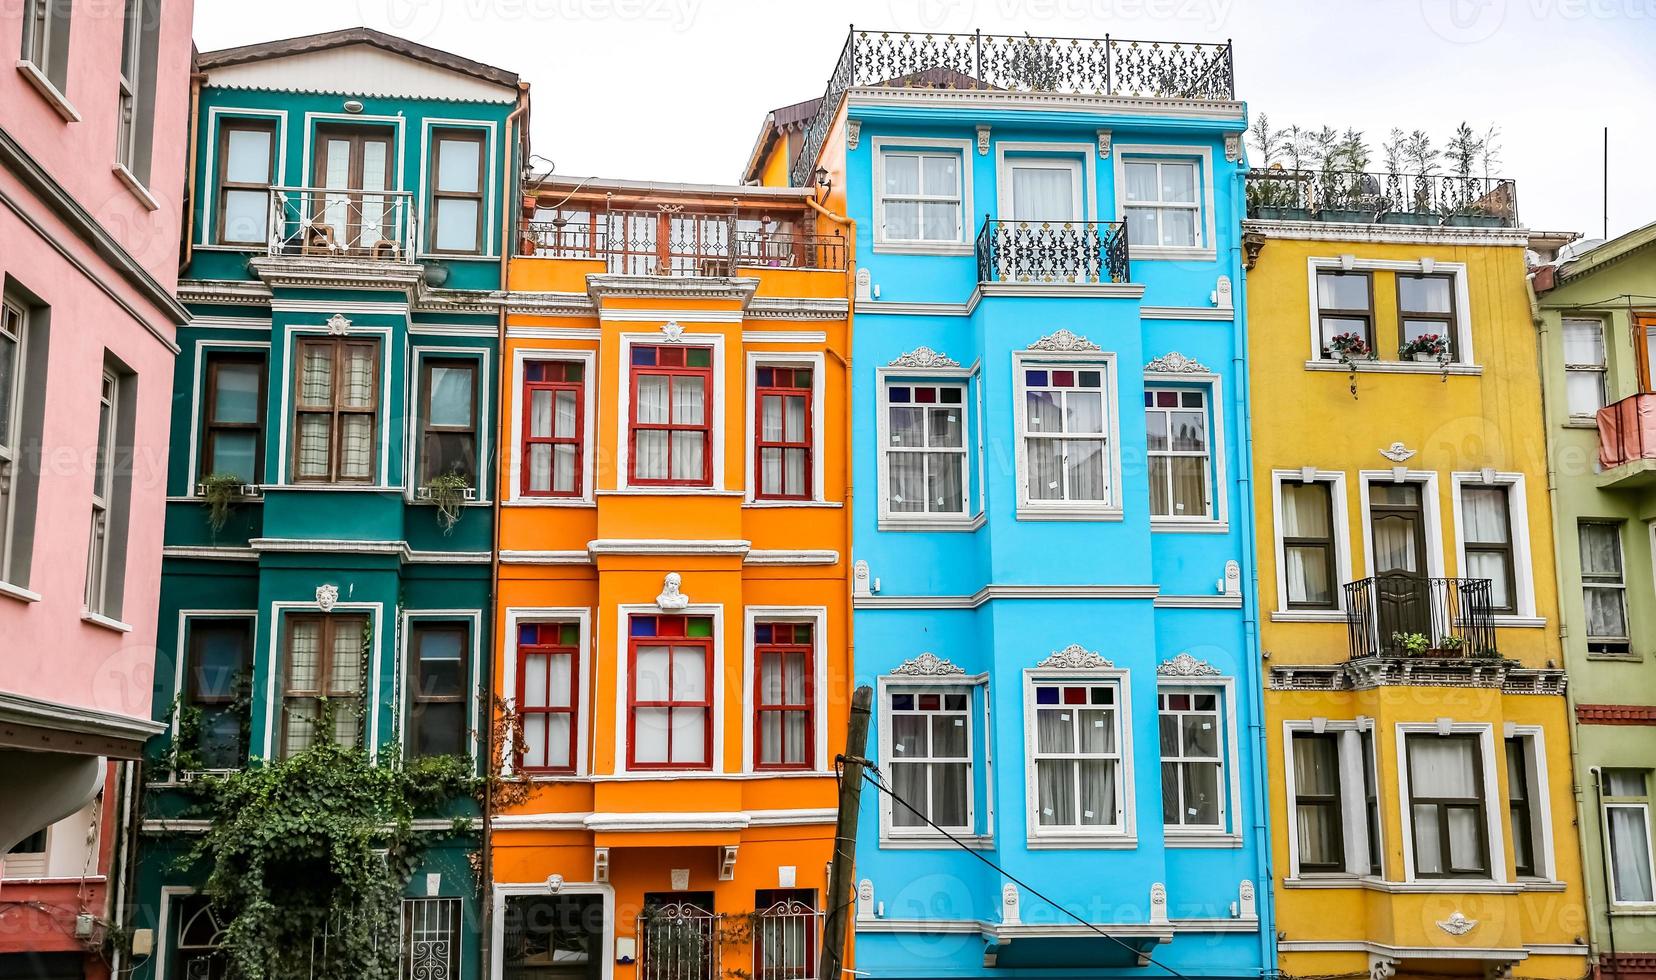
[(1382, 198), (1018, 63)]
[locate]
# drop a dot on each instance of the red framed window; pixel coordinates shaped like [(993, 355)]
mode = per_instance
[(784, 726), (670, 699), (553, 406), (782, 449), (548, 683), (671, 432)]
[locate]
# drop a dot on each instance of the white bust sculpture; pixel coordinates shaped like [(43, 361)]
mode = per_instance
[(671, 597)]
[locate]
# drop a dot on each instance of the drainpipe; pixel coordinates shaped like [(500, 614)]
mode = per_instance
[(196, 80), (508, 246), (1561, 583), (1604, 867), (1265, 892)]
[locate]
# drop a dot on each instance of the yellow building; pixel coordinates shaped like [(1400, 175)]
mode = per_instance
[(1415, 708)]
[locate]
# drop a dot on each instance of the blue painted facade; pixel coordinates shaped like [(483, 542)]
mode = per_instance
[(1019, 601)]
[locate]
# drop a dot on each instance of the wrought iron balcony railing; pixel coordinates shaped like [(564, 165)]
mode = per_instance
[(1060, 252), (679, 942), (1405, 615), (1627, 431), (634, 243), (1382, 198), (785, 938), (342, 223), (1018, 63)]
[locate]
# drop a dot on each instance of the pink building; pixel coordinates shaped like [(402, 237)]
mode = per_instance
[(93, 131)]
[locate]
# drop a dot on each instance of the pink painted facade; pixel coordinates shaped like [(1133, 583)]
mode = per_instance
[(88, 272)]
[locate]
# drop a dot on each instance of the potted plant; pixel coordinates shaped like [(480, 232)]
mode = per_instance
[(1348, 349), (1453, 644), (219, 493), (1427, 348), (1413, 644), (447, 492)]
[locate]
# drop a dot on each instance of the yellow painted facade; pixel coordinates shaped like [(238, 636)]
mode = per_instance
[(605, 271), (1327, 468)]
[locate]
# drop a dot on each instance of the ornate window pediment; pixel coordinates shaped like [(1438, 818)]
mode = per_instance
[(1064, 341), (1075, 657), (924, 357), (1185, 665), (928, 665)]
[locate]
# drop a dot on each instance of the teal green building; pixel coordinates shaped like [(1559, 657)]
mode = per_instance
[(329, 525)]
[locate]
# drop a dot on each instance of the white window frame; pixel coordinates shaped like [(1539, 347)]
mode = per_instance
[(486, 246), (963, 150), (1336, 480), (1523, 572), (474, 629), (1123, 833), (1430, 511), (1621, 586), (1202, 157), (12, 407), (483, 404), (375, 611), (1353, 795), (801, 359), (1229, 830), (1601, 369), (1466, 358), (1108, 509), (717, 398), (41, 47), (623, 690), (1495, 802), (216, 116), (500, 890), (968, 518), (1217, 519), (580, 750), (1078, 158), (1540, 798), (187, 618), (589, 406), (817, 616), (976, 687), (103, 499), (1606, 804)]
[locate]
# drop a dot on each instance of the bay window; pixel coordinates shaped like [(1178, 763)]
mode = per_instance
[(1446, 806), (1192, 754), (1626, 795), (1334, 802), (784, 725), (670, 707), (671, 433), (336, 411), (925, 452), (553, 398), (930, 759), (548, 688), (1176, 424), (1076, 756), (1521, 807), (782, 397), (1064, 429), (324, 664)]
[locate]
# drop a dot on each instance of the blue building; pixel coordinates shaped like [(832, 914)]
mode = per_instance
[(1052, 503)]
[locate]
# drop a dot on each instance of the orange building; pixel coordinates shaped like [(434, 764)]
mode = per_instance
[(674, 581)]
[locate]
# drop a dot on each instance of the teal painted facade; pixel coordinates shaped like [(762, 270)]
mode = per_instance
[(361, 364)]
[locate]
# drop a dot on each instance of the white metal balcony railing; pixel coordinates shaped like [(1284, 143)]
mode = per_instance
[(342, 223)]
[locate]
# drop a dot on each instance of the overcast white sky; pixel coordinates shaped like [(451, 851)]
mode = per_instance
[(676, 89)]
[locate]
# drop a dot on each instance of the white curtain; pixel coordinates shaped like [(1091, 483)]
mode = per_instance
[(945, 477), (908, 781), (1601, 550), (1043, 194), (1055, 782), (1630, 853), (651, 444), (1442, 768), (1305, 514), (907, 474), (1485, 511), (1084, 465), (948, 795), (1583, 342), (1394, 545), (1084, 412)]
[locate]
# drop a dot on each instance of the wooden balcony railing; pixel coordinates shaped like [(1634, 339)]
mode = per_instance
[(644, 243)]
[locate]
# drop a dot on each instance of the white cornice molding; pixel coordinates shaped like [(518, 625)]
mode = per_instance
[(1046, 102), (867, 307), (798, 308), (667, 546), (224, 292), (1186, 313), (351, 546), (739, 289), (1174, 362), (1336, 231), (766, 556), (22, 710), (992, 592), (1064, 340), (550, 304), (218, 553), (1185, 665), (329, 272), (923, 357), (647, 822), (520, 557)]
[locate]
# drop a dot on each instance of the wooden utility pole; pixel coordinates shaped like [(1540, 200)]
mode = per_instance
[(840, 887)]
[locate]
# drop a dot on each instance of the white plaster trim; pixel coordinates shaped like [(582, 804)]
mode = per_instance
[(951, 376), (1186, 313), (1523, 572), (516, 332), (623, 686), (1368, 232), (1342, 545), (786, 557), (1353, 819), (514, 557), (1125, 825), (585, 716), (1535, 776), (991, 592), (785, 337), (666, 546), (817, 616)]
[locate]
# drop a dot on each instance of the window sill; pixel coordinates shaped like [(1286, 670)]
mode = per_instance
[(1436, 886), (924, 248), (1541, 885), (550, 502), (1069, 514), (912, 524), (137, 187), (631, 491), (48, 91), (95, 619), (1617, 658), (935, 842), (1212, 839), (18, 592), (332, 488), (454, 256), (1518, 622), (1203, 526), (773, 504), (1393, 367), (1633, 911), (1178, 253), (248, 248), (1582, 422), (1076, 842), (1308, 616)]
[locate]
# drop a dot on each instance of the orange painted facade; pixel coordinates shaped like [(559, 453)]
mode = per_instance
[(609, 276)]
